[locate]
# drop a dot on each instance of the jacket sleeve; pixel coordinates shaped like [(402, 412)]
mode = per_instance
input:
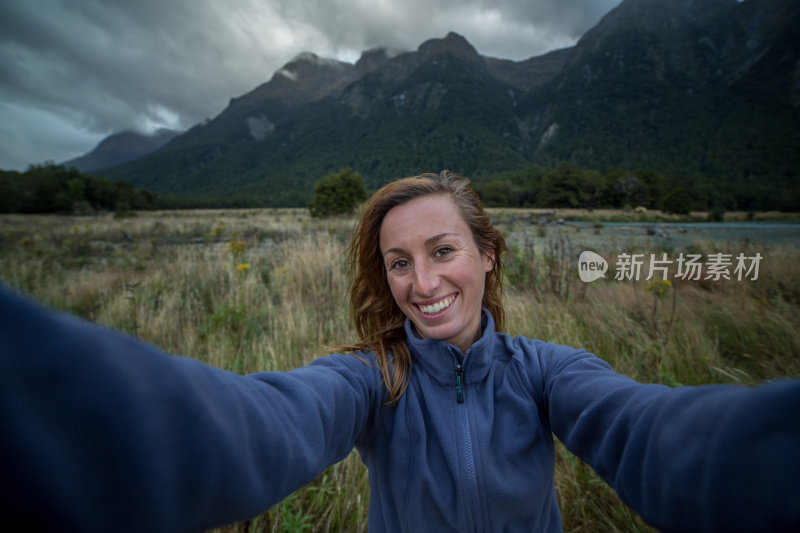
[(101, 432), (710, 458)]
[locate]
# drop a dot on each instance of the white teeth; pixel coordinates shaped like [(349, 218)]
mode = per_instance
[(438, 306)]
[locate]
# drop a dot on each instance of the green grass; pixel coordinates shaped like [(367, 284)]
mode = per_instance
[(177, 279)]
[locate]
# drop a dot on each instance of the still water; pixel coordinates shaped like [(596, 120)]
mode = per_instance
[(674, 234)]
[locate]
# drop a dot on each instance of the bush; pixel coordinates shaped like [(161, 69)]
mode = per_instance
[(678, 201), (337, 194), (717, 214)]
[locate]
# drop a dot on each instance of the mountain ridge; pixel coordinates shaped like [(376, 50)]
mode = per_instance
[(708, 89), (120, 148)]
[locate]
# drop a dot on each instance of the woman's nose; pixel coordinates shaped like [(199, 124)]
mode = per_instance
[(426, 280)]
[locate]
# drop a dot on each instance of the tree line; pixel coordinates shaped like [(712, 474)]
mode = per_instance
[(51, 188), (570, 186)]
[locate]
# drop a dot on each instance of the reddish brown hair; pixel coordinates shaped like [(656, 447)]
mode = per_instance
[(377, 318)]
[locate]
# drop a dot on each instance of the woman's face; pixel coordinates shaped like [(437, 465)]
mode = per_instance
[(435, 271)]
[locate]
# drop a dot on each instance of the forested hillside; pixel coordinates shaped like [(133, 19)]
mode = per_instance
[(703, 93)]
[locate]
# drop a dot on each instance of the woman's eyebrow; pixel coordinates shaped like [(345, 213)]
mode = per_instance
[(439, 237), (429, 241)]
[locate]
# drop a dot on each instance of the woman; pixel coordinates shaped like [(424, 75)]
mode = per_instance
[(453, 419)]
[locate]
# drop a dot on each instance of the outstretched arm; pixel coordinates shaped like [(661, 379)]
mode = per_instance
[(713, 458), (102, 432)]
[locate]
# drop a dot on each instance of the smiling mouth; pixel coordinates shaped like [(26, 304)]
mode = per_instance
[(437, 307)]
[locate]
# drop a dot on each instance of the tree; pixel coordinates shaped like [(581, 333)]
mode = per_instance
[(50, 188), (337, 194), (677, 201), (570, 186)]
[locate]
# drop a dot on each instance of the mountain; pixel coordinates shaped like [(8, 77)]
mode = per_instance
[(707, 89), (120, 148), (386, 116)]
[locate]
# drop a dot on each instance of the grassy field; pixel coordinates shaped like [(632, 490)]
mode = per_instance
[(252, 290)]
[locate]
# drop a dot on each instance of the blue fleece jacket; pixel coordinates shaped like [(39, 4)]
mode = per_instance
[(101, 432)]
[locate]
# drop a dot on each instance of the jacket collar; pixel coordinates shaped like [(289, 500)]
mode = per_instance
[(439, 358)]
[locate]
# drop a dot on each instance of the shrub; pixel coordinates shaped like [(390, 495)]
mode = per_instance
[(678, 201), (337, 194), (717, 214)]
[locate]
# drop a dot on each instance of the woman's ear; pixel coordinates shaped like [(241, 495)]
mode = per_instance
[(488, 261)]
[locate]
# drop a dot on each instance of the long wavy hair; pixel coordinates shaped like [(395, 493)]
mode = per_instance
[(377, 318)]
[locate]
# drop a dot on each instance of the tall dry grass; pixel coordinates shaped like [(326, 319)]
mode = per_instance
[(253, 290)]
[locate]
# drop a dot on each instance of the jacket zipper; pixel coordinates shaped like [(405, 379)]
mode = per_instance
[(459, 383), (472, 483)]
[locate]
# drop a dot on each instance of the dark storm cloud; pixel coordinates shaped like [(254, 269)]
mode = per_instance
[(512, 29), (73, 72)]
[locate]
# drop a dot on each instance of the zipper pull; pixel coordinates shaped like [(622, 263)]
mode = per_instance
[(459, 383)]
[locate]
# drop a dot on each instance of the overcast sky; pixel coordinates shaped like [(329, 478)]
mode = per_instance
[(75, 71)]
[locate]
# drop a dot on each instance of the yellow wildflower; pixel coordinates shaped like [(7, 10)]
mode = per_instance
[(238, 247)]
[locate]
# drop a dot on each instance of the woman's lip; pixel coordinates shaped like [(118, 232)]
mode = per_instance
[(435, 300)]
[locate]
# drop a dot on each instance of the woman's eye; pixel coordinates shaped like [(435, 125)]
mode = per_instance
[(443, 251), (399, 264)]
